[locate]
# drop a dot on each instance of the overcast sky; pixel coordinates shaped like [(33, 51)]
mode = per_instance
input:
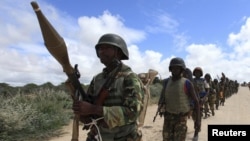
[(211, 34)]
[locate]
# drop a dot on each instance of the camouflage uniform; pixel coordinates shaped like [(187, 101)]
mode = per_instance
[(201, 89), (176, 95), (122, 106), (175, 117), (222, 91), (199, 84), (217, 90), (188, 74), (211, 96), (174, 122)]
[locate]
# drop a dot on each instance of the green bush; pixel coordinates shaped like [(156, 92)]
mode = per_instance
[(155, 91), (37, 115)]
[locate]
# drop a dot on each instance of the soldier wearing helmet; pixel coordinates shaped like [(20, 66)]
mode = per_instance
[(188, 74), (198, 72), (217, 89), (201, 87), (114, 41), (211, 96), (123, 94), (176, 94)]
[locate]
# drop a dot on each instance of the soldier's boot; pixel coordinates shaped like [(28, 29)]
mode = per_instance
[(217, 106), (206, 115), (213, 113)]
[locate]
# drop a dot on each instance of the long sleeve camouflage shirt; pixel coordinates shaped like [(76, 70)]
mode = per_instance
[(125, 100)]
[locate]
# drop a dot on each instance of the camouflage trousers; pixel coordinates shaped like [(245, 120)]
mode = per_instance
[(209, 105), (211, 101), (217, 101), (174, 127)]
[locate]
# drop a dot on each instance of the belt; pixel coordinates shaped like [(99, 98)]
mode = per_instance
[(174, 114)]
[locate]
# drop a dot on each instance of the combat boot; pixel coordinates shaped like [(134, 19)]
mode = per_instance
[(213, 113), (206, 116)]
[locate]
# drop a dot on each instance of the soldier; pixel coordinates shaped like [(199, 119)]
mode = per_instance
[(222, 85), (177, 93), (124, 102), (188, 74), (211, 95), (201, 88), (217, 90)]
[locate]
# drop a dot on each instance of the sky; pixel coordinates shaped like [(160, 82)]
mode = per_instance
[(211, 34)]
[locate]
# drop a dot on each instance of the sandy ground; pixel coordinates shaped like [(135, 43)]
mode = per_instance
[(235, 111)]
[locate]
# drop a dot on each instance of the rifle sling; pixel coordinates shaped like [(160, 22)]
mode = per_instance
[(103, 94)]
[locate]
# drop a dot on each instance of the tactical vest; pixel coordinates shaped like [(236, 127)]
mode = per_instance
[(199, 86), (176, 99)]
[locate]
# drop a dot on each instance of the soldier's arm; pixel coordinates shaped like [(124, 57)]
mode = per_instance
[(194, 97)]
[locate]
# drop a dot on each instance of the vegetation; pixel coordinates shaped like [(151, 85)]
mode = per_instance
[(35, 112), (33, 116)]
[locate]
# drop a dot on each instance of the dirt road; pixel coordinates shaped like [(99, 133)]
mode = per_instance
[(235, 111)]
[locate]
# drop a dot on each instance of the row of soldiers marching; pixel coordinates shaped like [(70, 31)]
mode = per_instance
[(193, 96), (212, 93)]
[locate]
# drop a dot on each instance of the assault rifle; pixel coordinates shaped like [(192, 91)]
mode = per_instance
[(57, 48), (161, 102), (100, 98), (158, 112), (103, 93)]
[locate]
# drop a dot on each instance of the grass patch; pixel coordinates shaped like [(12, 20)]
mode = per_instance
[(37, 113), (34, 116)]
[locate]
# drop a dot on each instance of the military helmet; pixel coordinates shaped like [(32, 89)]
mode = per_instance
[(115, 40), (216, 80), (198, 69), (207, 75), (188, 74), (177, 62)]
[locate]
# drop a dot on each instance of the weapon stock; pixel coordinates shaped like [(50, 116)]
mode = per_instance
[(56, 46), (103, 93)]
